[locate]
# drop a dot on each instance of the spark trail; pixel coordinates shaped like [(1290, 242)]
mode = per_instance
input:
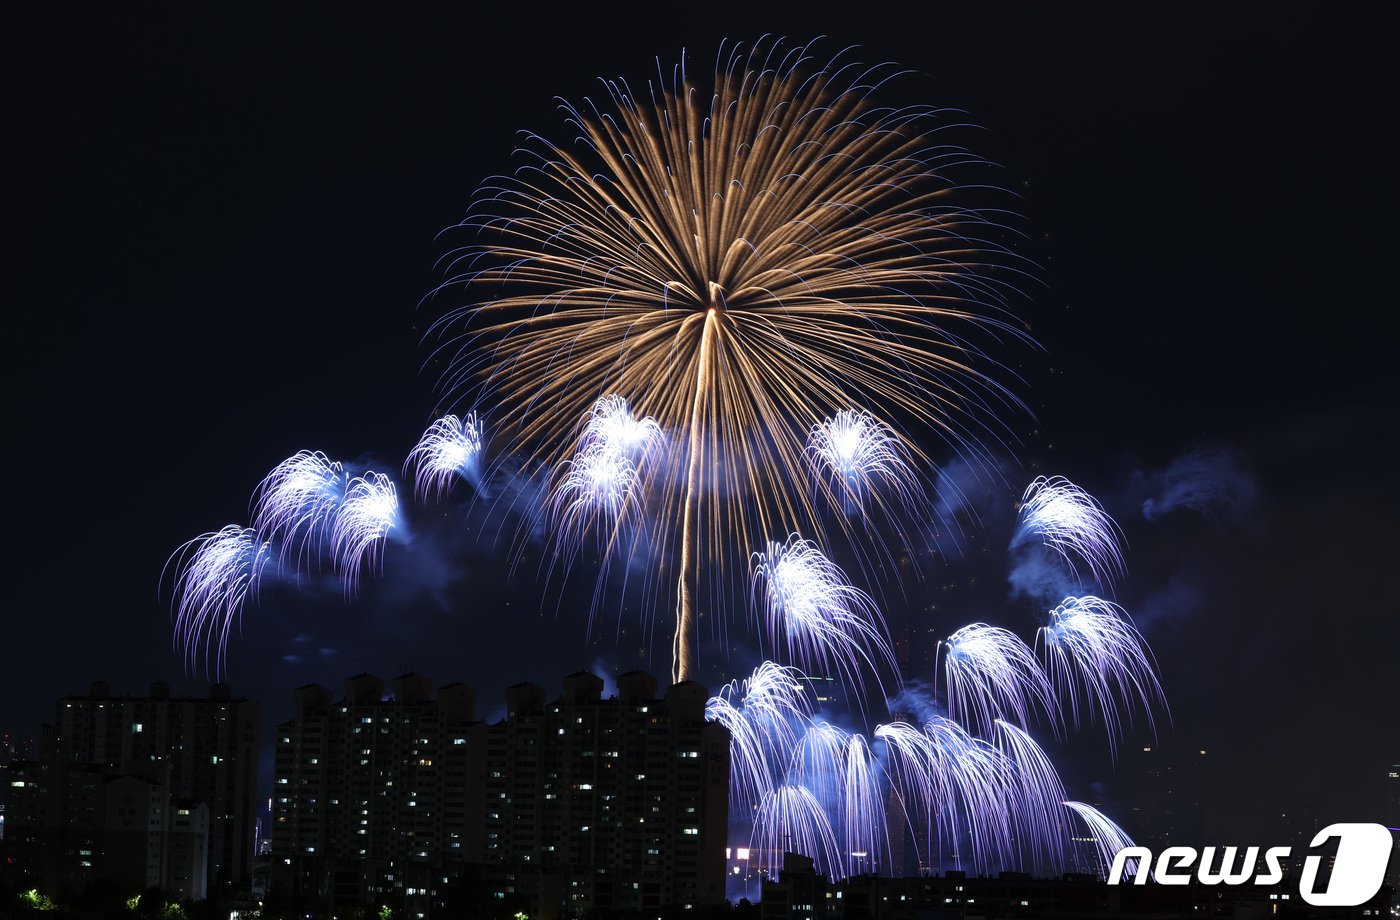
[(450, 449), (741, 258), (820, 620), (215, 574), (859, 458), (1073, 524), (992, 674), (363, 521), (1109, 838), (295, 505), (1094, 654)]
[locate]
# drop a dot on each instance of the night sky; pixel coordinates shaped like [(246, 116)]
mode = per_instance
[(226, 221)]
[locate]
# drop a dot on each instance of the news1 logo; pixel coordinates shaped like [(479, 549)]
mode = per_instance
[(1363, 852)]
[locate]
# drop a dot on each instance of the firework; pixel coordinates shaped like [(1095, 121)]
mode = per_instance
[(840, 773), (822, 621), (295, 504), (598, 487), (449, 449), (742, 262), (862, 808), (1109, 838), (1072, 523), (974, 801), (817, 759), (791, 819), (365, 517), (1038, 798), (858, 457), (1093, 653), (596, 490), (977, 785), (215, 574), (992, 674), (611, 425), (764, 714), (909, 764)]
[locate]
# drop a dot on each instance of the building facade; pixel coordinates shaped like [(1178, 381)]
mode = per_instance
[(607, 805), (377, 798), (140, 791), (76, 824), (208, 747), (567, 805)]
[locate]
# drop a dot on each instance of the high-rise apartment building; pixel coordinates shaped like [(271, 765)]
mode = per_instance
[(566, 805), (137, 792), (201, 749), (617, 804), (78, 824), (377, 798)]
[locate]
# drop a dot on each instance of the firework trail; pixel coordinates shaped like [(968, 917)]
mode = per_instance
[(820, 620), (363, 521), (215, 574), (611, 425), (1074, 525), (597, 489), (449, 449), (1093, 652), (974, 801), (840, 773), (992, 674), (304, 508), (859, 457), (295, 504), (792, 775), (1038, 800), (765, 715), (817, 760), (742, 262), (791, 819), (978, 788), (920, 791), (1109, 838), (862, 808)]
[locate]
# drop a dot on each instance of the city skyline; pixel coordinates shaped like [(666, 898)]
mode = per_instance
[(224, 184)]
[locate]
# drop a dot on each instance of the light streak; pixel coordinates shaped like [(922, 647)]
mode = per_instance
[(1071, 522), (816, 617), (449, 449), (1094, 654), (741, 262)]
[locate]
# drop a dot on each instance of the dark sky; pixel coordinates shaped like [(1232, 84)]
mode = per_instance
[(222, 223)]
